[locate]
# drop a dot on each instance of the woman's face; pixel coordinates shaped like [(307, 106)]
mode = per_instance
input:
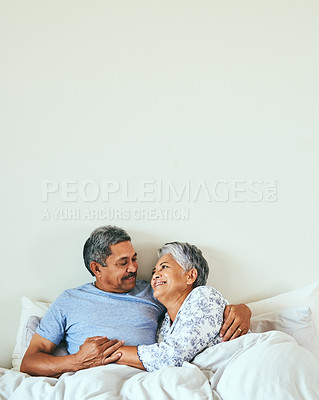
[(169, 280)]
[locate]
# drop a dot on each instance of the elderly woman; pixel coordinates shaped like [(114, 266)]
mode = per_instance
[(194, 311)]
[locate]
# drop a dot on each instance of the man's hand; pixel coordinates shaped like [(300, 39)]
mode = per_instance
[(236, 321), (97, 350)]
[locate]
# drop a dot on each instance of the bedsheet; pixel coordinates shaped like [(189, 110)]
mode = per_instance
[(259, 366)]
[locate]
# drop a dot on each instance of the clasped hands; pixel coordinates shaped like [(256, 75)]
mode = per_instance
[(99, 350)]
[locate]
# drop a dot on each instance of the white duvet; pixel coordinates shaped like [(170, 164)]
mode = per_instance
[(266, 366)]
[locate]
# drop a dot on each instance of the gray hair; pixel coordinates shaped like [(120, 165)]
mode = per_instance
[(97, 246), (187, 256)]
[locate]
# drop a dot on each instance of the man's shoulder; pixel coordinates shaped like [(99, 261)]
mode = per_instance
[(75, 292), (141, 288), (88, 289)]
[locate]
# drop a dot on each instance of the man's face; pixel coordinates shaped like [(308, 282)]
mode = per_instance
[(119, 274)]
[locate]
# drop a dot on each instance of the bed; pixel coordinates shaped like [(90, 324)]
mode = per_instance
[(278, 360)]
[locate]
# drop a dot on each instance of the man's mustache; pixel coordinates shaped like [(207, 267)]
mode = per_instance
[(129, 275)]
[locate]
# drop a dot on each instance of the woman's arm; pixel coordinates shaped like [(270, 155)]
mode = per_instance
[(129, 357), (197, 326)]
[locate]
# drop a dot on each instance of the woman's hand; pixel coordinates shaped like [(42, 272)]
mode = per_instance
[(236, 321)]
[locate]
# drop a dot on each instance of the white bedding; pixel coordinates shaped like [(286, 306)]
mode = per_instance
[(256, 366)]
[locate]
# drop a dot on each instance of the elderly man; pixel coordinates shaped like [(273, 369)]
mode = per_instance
[(90, 318)]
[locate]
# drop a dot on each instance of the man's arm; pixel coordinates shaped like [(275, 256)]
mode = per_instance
[(95, 351), (236, 321)]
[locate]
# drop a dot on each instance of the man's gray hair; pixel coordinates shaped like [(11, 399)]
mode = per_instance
[(97, 246), (188, 256)]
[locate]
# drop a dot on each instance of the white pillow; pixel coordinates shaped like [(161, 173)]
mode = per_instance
[(29, 308), (305, 296), (31, 314), (296, 321)]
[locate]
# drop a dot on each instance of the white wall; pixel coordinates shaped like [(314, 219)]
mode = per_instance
[(166, 91)]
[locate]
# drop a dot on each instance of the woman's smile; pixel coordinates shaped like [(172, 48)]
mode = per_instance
[(158, 283)]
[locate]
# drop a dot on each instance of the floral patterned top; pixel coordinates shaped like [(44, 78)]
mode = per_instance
[(196, 326)]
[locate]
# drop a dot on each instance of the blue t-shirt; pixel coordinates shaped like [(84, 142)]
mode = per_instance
[(87, 311)]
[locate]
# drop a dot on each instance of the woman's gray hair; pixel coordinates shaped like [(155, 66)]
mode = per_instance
[(188, 256), (97, 246)]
